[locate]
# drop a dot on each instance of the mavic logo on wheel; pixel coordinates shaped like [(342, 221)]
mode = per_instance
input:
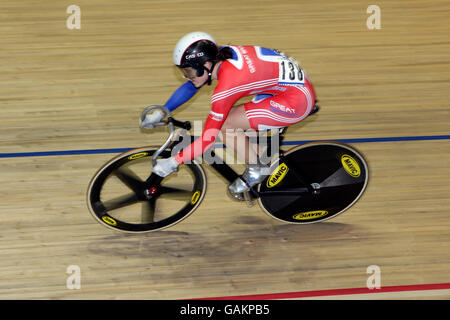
[(195, 197), (351, 166), (277, 176), (109, 220), (310, 215), (137, 155)]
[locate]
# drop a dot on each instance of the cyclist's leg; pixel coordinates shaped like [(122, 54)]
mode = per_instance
[(265, 112), (271, 112), (278, 111), (236, 136)]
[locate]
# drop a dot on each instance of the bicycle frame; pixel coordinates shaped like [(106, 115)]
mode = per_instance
[(222, 168)]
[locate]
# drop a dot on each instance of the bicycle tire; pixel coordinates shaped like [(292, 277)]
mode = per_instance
[(139, 193)]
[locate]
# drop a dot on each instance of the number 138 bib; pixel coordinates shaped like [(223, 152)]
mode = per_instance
[(290, 72)]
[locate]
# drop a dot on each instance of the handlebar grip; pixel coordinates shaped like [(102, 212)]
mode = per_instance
[(185, 125), (150, 108), (171, 122)]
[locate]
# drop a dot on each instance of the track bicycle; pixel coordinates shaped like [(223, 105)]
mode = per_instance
[(308, 183)]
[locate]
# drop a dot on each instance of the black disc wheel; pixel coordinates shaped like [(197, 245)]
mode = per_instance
[(314, 182), (124, 195)]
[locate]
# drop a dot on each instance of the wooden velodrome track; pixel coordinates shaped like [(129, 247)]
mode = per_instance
[(65, 90)]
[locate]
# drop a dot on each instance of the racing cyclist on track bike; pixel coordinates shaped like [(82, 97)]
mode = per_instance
[(283, 96)]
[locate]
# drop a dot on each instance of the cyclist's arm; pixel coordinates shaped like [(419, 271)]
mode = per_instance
[(181, 96), (213, 124)]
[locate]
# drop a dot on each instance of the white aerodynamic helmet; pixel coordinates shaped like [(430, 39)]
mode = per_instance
[(194, 49)]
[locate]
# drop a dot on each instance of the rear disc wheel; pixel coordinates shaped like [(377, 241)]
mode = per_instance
[(314, 182)]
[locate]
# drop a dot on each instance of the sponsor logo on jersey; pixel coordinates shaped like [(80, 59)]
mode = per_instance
[(282, 110), (247, 59)]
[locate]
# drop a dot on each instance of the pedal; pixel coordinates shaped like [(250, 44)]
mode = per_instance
[(249, 199)]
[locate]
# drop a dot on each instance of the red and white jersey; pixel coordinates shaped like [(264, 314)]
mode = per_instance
[(252, 70)]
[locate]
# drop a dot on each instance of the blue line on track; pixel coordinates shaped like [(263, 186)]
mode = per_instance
[(120, 150)]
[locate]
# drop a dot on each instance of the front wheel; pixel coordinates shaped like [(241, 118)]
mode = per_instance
[(314, 182), (123, 195)]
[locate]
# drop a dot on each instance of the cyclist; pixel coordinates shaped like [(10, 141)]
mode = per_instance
[(283, 96)]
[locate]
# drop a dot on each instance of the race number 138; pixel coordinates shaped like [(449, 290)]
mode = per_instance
[(290, 73)]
